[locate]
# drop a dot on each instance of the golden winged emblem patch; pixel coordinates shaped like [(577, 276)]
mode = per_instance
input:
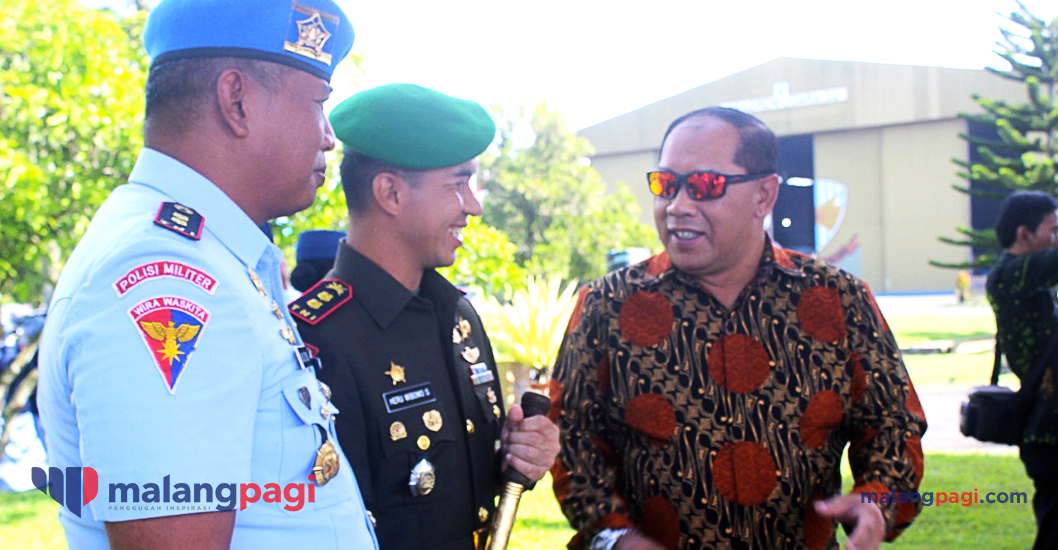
[(170, 336)]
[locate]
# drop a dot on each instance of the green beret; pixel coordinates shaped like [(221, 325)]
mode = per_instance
[(413, 127)]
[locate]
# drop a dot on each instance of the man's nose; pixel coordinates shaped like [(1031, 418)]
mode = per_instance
[(681, 204), (471, 204), (329, 139)]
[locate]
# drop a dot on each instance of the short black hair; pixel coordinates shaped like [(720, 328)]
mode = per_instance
[(176, 89), (358, 171), (1027, 208), (756, 142)]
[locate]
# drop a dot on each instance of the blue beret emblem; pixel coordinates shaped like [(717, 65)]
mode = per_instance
[(310, 27)]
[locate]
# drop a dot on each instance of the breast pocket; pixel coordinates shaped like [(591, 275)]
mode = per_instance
[(307, 417), (418, 452)]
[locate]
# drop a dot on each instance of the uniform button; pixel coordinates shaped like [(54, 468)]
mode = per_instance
[(423, 442), (470, 426), (483, 515)]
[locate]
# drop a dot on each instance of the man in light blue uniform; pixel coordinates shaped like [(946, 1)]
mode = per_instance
[(170, 374)]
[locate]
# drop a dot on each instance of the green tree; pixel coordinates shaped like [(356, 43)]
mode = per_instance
[(71, 101), (1026, 151), (545, 196)]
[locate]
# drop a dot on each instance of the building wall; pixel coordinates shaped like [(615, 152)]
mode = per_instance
[(900, 200)]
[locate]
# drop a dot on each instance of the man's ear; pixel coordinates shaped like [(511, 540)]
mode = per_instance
[(1023, 234), (388, 189), (767, 194), (232, 90)]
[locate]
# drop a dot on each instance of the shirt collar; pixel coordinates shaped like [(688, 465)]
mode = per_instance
[(223, 218), (774, 256), (383, 296)]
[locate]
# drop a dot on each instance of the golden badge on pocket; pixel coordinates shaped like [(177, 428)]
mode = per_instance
[(326, 466), (397, 431), (433, 421)]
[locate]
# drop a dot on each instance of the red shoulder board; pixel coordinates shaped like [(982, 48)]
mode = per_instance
[(180, 219), (321, 300)]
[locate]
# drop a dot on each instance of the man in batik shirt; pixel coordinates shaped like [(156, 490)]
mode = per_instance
[(705, 396)]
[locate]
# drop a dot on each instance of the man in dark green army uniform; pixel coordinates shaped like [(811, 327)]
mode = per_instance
[(412, 371)]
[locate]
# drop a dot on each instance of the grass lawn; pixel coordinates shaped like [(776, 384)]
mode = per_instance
[(28, 520), (947, 369)]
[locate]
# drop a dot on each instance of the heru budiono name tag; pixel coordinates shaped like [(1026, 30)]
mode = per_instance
[(406, 398)]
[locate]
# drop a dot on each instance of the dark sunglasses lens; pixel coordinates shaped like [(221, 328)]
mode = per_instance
[(662, 184), (703, 185)]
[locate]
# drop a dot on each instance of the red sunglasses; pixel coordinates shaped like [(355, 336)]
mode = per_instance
[(701, 186)]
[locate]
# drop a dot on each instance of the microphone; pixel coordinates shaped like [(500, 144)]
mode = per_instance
[(533, 404)]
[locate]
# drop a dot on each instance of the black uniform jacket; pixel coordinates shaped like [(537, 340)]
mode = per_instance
[(414, 378)]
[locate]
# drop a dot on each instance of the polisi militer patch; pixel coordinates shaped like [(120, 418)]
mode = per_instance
[(180, 219), (170, 327), (165, 268), (321, 300)]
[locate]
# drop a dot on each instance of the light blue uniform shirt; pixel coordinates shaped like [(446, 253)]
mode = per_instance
[(161, 362)]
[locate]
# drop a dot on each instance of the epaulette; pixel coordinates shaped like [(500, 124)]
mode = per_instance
[(180, 219), (321, 300)]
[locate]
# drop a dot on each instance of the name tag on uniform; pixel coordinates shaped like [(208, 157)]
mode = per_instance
[(480, 374), (406, 398)]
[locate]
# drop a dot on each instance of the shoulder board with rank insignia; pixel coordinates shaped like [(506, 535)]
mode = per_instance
[(180, 219), (321, 300)]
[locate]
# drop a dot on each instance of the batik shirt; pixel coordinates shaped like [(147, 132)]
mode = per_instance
[(1020, 289), (712, 427)]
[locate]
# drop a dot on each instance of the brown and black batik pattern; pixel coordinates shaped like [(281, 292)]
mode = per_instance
[(706, 427)]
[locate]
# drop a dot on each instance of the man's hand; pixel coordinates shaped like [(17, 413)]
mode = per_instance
[(530, 444), (633, 540), (864, 518)]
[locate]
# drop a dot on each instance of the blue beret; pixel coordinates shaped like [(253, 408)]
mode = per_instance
[(318, 244), (413, 127), (311, 35)]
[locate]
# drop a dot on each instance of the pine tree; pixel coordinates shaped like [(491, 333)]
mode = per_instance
[(1024, 154)]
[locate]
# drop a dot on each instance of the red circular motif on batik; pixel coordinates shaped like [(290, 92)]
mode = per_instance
[(818, 528), (578, 310), (653, 416), (821, 416), (602, 370), (821, 314), (912, 404), (738, 363), (859, 377), (645, 319), (914, 454), (744, 472), (660, 522), (554, 391), (659, 264)]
